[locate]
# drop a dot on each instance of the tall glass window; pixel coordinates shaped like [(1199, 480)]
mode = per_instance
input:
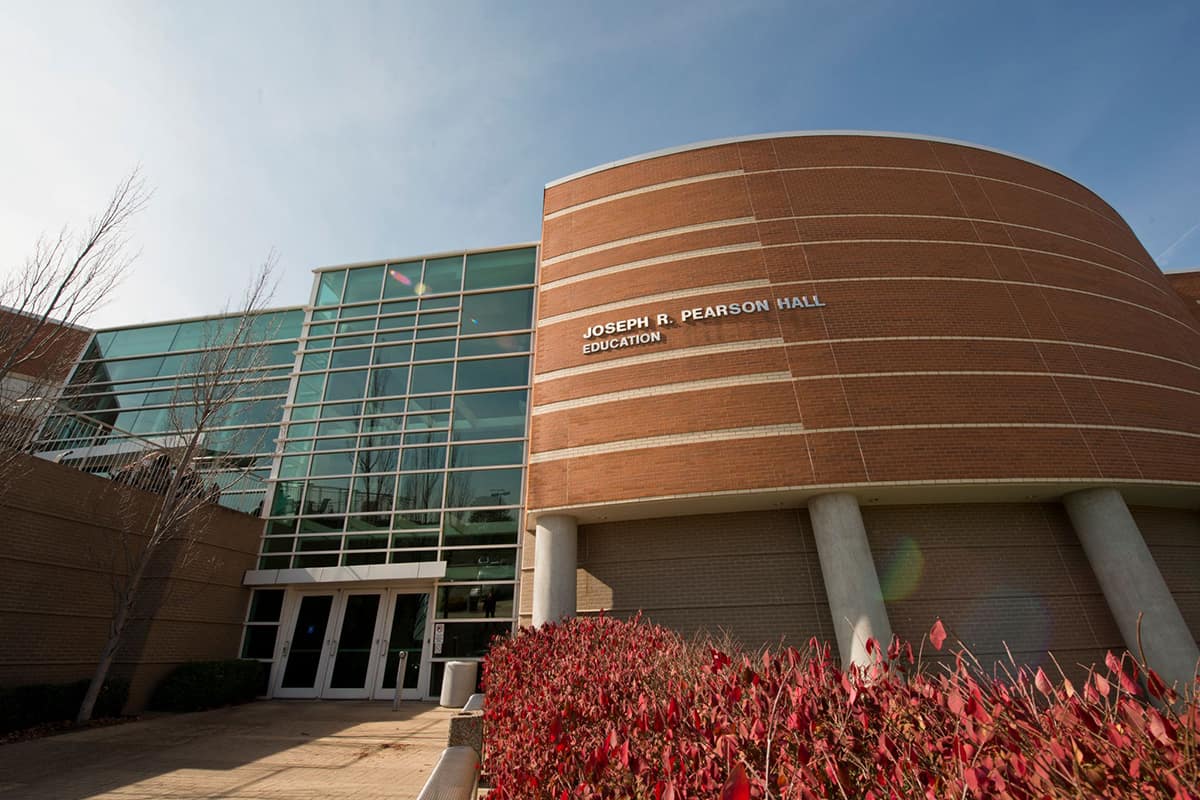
[(406, 432)]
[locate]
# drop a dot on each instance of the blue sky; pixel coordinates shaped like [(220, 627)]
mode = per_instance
[(340, 132)]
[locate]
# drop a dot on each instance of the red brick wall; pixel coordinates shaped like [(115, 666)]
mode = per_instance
[(1187, 284), (986, 319), (53, 351), (59, 545)]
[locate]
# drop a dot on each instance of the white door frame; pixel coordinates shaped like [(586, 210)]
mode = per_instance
[(293, 599), (383, 640), (359, 692)]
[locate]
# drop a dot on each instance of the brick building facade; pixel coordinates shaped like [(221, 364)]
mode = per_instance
[(946, 340)]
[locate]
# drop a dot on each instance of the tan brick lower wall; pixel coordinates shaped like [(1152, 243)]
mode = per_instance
[(999, 575), (59, 548), (1173, 536)]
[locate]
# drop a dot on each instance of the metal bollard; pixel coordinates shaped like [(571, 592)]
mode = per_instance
[(403, 662)]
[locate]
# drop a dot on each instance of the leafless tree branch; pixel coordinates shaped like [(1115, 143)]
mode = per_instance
[(67, 277), (232, 361)]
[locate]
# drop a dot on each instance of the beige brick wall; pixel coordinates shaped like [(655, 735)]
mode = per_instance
[(1173, 536), (60, 546), (996, 574)]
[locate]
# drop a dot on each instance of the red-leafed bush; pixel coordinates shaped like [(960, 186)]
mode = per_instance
[(603, 708)]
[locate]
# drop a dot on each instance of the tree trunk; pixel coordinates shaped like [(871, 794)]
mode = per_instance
[(110, 647)]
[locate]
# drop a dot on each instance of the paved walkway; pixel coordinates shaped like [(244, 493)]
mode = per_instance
[(293, 749)]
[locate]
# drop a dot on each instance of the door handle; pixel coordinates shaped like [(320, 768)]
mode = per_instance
[(286, 645)]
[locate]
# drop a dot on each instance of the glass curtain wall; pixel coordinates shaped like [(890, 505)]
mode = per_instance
[(129, 379), (405, 437)]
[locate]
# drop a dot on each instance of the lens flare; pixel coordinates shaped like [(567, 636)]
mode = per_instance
[(400, 276), (420, 289), (902, 575)]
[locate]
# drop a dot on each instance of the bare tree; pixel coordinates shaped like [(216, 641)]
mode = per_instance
[(45, 300), (232, 360)]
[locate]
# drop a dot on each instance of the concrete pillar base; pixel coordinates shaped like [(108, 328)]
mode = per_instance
[(1132, 583), (554, 559), (851, 583)]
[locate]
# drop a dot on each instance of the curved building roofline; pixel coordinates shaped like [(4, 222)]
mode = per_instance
[(795, 134)]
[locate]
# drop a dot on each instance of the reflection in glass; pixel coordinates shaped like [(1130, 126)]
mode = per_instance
[(363, 284), (372, 493), (430, 378), (497, 311), (495, 415), (492, 373), (419, 490), (493, 564), (481, 600), (443, 275), (481, 526), (401, 279), (307, 642), (491, 487), (354, 643), (407, 635), (329, 289), (505, 268), (494, 345)]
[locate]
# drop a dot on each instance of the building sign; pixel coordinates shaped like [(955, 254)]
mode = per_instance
[(644, 330)]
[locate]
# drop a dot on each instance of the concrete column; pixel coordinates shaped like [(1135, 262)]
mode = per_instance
[(555, 543), (851, 584), (1132, 583)]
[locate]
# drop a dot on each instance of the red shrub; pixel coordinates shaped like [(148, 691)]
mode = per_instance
[(599, 708)]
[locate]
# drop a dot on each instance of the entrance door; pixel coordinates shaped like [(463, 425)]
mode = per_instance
[(353, 645), (346, 643), (406, 629), (304, 651)]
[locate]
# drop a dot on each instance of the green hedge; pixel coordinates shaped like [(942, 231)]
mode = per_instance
[(26, 706), (198, 685)]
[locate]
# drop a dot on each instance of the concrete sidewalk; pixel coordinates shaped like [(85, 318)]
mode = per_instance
[(270, 749)]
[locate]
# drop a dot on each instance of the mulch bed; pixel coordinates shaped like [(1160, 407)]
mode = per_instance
[(63, 726)]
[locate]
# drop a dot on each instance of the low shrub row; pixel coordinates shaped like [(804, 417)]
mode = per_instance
[(603, 708), (26, 706), (199, 685)]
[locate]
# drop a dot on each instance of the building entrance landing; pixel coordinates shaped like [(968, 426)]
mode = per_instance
[(347, 643)]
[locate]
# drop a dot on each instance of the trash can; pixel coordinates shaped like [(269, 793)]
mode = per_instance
[(458, 683)]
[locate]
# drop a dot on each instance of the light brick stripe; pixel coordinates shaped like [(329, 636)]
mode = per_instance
[(999, 222), (711, 176), (665, 389), (811, 489), (1119, 271), (1015, 339), (984, 372), (669, 440), (1014, 425), (954, 279), (943, 172), (678, 294), (648, 237), (666, 355), (649, 262), (793, 429)]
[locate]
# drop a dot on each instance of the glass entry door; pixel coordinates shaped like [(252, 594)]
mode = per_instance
[(405, 631), (304, 651), (346, 643), (353, 645)]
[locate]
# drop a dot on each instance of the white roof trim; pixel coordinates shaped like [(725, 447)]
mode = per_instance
[(794, 134)]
